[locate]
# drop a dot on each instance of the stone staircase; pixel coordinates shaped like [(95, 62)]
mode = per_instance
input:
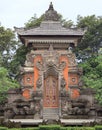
[(51, 113)]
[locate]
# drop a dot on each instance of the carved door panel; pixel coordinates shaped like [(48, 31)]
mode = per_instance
[(51, 92)]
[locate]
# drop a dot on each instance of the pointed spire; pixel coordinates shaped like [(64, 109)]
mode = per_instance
[(51, 6), (51, 14)]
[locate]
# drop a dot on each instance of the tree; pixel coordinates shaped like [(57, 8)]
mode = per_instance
[(18, 60), (8, 45), (5, 83), (92, 75), (93, 36), (34, 21)]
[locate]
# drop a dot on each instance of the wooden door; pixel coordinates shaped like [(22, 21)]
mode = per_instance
[(50, 92)]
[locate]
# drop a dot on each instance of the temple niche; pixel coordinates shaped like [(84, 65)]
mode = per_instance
[(51, 87)]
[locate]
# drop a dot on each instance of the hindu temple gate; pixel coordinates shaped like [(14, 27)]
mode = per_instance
[(50, 78), (50, 74)]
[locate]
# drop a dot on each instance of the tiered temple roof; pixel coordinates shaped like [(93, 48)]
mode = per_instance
[(50, 26)]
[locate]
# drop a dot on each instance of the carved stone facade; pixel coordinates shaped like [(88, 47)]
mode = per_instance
[(51, 87)]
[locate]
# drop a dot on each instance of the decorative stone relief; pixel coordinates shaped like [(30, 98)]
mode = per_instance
[(50, 57), (28, 79), (72, 59), (62, 65), (39, 83), (63, 83), (29, 60), (39, 65)]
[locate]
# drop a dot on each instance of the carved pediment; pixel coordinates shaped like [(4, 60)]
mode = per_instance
[(51, 57)]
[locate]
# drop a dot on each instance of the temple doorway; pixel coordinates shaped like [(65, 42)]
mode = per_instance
[(51, 98), (51, 92)]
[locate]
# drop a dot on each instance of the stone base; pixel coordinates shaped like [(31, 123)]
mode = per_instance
[(24, 117), (65, 122)]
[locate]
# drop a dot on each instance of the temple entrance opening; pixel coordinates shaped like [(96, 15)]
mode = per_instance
[(50, 98)]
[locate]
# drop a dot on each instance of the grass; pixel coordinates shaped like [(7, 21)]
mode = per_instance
[(54, 127)]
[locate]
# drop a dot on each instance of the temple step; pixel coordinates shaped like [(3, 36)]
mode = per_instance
[(51, 113)]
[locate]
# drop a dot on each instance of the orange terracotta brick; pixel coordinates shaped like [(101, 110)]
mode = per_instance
[(65, 71), (26, 94), (36, 71)]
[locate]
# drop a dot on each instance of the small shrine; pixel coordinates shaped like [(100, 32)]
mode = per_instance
[(51, 87)]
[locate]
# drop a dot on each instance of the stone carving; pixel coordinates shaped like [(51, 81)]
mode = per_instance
[(29, 60), (75, 107), (63, 83), (69, 49), (64, 106), (50, 58), (39, 65), (72, 59), (51, 14), (39, 83), (62, 65), (21, 108)]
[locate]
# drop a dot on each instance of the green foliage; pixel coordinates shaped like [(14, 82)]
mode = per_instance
[(80, 128), (7, 45), (34, 21), (5, 83), (49, 127), (93, 36), (3, 128), (18, 59), (92, 70), (33, 128), (65, 23), (87, 21), (63, 128), (98, 127)]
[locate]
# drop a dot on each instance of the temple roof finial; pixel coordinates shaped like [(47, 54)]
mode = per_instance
[(51, 14), (51, 6)]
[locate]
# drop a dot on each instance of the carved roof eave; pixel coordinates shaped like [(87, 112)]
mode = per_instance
[(49, 41), (42, 31)]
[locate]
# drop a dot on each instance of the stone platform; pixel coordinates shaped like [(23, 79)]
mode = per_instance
[(28, 121), (76, 121), (62, 121)]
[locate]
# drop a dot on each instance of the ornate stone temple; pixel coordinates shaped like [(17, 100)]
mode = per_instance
[(51, 87)]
